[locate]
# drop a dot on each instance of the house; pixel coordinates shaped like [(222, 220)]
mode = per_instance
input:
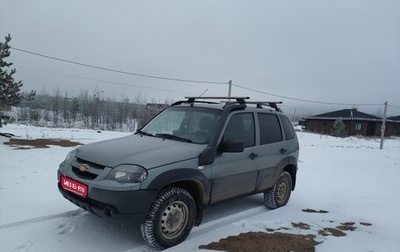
[(355, 122)]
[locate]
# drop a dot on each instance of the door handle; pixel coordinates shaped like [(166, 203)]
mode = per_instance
[(253, 156), (282, 151)]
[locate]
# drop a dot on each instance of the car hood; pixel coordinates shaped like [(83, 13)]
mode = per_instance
[(146, 151)]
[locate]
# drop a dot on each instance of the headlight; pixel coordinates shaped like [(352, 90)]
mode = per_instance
[(70, 156), (128, 174)]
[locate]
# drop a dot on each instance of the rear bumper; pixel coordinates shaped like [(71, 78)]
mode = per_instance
[(126, 206)]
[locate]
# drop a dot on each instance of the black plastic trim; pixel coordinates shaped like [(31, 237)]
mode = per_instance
[(184, 175)]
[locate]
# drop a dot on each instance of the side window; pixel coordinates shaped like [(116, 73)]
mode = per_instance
[(287, 128), (241, 126), (270, 129)]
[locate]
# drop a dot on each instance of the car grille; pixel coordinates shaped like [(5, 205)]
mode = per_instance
[(90, 174)]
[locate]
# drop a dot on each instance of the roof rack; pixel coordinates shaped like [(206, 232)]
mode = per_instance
[(260, 104), (239, 99)]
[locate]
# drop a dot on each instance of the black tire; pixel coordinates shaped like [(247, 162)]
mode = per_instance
[(170, 219), (278, 195)]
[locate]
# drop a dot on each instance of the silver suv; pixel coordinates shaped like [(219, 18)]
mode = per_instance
[(191, 155)]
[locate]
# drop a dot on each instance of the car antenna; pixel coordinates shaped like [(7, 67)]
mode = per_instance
[(205, 91)]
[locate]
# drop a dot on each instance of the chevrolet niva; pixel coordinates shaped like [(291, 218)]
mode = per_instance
[(193, 154)]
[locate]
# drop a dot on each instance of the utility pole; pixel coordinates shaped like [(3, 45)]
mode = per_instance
[(383, 127), (230, 88)]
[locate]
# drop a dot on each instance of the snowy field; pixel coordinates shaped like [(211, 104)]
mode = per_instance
[(351, 178)]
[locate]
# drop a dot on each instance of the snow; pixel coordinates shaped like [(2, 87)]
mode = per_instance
[(351, 178)]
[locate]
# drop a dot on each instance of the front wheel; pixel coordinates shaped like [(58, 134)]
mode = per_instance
[(279, 194), (170, 219)]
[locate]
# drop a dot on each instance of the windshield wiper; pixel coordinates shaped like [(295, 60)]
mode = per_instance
[(173, 137), (144, 133)]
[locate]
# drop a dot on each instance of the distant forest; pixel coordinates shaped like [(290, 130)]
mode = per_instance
[(85, 111)]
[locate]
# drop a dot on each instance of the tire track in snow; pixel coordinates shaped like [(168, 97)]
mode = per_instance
[(69, 214), (207, 227), (204, 228)]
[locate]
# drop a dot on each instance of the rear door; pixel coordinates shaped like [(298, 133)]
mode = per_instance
[(235, 174), (272, 149), (291, 143)]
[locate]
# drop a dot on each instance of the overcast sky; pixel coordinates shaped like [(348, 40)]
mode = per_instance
[(338, 51)]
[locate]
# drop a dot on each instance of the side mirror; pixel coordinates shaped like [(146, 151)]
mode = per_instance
[(233, 146)]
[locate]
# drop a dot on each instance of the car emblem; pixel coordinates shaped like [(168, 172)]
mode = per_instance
[(83, 167)]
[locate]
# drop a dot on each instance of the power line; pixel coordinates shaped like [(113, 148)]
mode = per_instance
[(178, 79), (97, 80), (302, 100), (117, 71)]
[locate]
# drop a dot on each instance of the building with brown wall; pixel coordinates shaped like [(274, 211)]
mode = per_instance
[(355, 122)]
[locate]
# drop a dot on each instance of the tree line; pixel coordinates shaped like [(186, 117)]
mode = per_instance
[(88, 110)]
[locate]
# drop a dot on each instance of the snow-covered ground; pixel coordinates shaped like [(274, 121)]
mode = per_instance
[(351, 178)]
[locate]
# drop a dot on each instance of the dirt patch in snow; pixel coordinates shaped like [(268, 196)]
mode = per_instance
[(264, 242), (24, 144), (275, 241), (307, 210)]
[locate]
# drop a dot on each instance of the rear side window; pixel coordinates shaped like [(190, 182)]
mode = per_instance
[(270, 129), (287, 128)]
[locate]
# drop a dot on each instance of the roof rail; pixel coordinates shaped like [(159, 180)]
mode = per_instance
[(239, 99), (260, 104), (191, 102)]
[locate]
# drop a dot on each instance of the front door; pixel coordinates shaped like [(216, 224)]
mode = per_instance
[(235, 174)]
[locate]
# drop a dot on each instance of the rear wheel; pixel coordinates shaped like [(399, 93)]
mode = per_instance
[(279, 194), (170, 218)]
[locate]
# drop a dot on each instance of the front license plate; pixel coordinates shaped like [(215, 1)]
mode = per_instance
[(74, 186)]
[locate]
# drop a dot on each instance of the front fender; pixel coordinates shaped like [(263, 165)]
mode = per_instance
[(192, 180)]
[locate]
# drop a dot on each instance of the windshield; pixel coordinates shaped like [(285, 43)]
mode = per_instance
[(190, 124)]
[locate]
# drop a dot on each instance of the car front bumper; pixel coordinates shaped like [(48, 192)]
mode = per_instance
[(127, 206)]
